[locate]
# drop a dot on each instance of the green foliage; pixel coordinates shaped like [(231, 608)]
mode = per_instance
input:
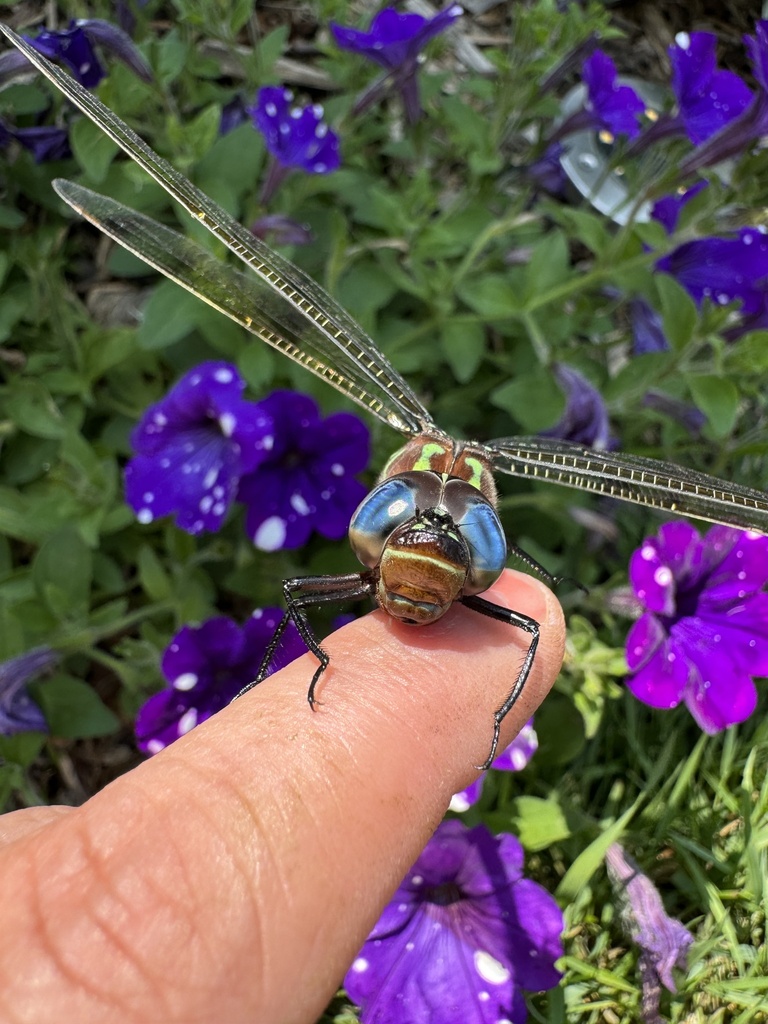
[(475, 284)]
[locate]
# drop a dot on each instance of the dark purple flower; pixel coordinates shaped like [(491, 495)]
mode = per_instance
[(738, 134), (723, 270), (206, 667), (193, 447), (18, 712), (395, 41), (704, 633), (667, 209), (233, 114), (687, 415), (296, 137), (464, 934), (547, 172), (664, 942), (513, 759), (647, 328), (44, 143), (707, 98), (613, 107), (76, 47), (585, 419), (307, 482)]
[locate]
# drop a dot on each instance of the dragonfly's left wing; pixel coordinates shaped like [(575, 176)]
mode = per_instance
[(661, 485), (322, 336)]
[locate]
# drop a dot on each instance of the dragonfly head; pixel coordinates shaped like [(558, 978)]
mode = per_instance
[(423, 568)]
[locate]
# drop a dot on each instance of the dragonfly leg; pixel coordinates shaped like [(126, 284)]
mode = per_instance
[(524, 622), (305, 592)]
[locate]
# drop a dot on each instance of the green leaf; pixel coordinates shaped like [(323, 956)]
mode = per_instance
[(21, 749), (534, 399), (93, 150), (539, 823), (678, 311), (153, 578), (718, 399), (560, 729), (72, 708), (463, 346), (491, 296), (549, 265), (62, 572), (32, 409), (170, 315)]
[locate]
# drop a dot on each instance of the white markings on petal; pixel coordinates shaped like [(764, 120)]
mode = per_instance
[(647, 552), (186, 681), (298, 504), (187, 721), (459, 803), (210, 478), (518, 759), (271, 534), (337, 469), (145, 515), (662, 576), (155, 746), (227, 422), (223, 375), (490, 969), (360, 965), (683, 40)]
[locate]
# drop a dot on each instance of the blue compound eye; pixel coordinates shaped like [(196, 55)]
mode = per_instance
[(480, 527), (388, 506)]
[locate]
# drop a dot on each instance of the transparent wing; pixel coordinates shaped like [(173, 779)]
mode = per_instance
[(315, 330), (661, 485)]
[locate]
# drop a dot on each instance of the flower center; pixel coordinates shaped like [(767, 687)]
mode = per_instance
[(444, 895)]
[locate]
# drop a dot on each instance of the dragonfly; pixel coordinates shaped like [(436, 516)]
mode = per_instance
[(428, 535)]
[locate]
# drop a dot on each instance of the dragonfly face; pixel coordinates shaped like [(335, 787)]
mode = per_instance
[(445, 543)]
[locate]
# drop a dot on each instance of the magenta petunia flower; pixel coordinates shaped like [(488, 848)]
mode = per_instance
[(18, 712), (464, 934), (513, 759), (704, 633), (193, 447), (307, 482), (394, 42), (206, 667)]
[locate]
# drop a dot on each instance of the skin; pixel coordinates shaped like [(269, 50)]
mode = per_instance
[(234, 876)]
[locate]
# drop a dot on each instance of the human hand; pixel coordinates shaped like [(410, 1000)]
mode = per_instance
[(234, 876)]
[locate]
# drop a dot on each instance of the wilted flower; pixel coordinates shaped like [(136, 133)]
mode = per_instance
[(663, 941), (725, 270), (76, 48), (547, 172), (233, 114), (43, 142), (609, 107), (194, 446), (687, 415), (704, 633), (206, 667), (307, 482), (647, 328), (395, 41), (296, 137), (585, 419), (513, 759), (18, 712), (464, 934), (281, 230)]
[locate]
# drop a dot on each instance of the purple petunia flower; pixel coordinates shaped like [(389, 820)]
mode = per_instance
[(43, 142), (667, 209), (704, 633), (294, 136), (307, 482), (609, 107), (18, 712), (585, 418), (395, 41), (206, 667), (233, 114), (707, 98), (664, 942), (464, 934), (76, 48), (647, 328), (513, 759), (194, 446), (725, 270)]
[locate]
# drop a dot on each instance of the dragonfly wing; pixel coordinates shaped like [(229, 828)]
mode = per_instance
[(661, 485), (336, 340)]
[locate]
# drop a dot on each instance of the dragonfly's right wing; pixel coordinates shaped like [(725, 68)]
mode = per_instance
[(329, 341)]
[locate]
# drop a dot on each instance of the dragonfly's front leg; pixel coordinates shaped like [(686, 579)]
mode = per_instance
[(305, 592), (522, 621)]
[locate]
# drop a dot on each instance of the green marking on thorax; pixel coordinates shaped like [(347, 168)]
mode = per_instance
[(478, 469), (428, 452)]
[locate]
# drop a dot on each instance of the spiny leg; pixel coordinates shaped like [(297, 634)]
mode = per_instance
[(522, 621), (312, 590)]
